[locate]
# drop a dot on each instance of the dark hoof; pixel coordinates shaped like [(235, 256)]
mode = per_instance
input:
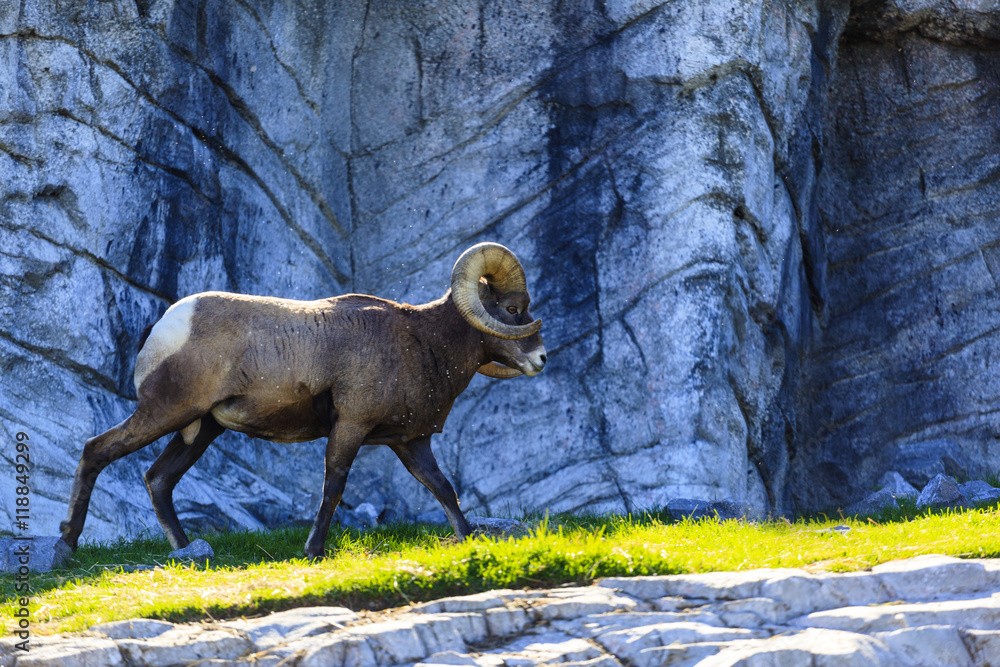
[(315, 555), (63, 530)]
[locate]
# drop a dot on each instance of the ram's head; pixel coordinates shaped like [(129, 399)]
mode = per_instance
[(490, 291)]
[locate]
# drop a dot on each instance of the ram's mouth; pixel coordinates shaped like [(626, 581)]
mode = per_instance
[(495, 369), (532, 369)]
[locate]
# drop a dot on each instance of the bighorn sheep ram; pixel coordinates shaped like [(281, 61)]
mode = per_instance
[(357, 369)]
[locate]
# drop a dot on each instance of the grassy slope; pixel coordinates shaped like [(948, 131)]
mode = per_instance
[(259, 572)]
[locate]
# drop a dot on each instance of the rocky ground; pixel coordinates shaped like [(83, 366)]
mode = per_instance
[(929, 610)]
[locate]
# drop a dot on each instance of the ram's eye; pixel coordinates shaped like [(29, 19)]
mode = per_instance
[(512, 310)]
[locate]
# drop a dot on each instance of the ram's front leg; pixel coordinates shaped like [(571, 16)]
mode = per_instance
[(419, 460), (341, 449)]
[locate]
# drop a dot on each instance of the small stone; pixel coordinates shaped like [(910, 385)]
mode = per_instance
[(941, 492), (677, 603), (398, 641), (198, 551), (979, 492), (38, 553), (899, 487)]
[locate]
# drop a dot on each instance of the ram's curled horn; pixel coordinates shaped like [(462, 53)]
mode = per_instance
[(499, 371), (504, 273)]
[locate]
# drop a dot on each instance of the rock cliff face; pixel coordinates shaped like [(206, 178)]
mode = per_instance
[(761, 243), (903, 376)]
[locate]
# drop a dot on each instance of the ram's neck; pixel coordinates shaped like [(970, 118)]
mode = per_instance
[(453, 347)]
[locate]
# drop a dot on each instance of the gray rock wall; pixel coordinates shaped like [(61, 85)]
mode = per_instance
[(903, 376), (668, 173)]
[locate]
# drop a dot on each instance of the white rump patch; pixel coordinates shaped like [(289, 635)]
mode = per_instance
[(168, 336)]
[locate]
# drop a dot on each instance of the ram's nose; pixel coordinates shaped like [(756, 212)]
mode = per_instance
[(537, 360)]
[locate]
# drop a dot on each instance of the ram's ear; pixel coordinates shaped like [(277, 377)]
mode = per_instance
[(486, 293)]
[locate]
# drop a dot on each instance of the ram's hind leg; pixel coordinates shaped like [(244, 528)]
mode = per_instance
[(419, 460), (161, 478), (99, 452)]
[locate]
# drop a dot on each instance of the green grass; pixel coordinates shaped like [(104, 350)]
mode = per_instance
[(259, 572)]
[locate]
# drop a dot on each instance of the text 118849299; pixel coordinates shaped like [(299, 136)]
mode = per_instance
[(21, 553)]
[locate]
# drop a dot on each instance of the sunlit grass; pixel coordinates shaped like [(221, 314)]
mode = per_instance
[(259, 572)]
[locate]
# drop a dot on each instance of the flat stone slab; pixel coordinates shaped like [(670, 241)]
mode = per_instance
[(286, 626), (929, 610)]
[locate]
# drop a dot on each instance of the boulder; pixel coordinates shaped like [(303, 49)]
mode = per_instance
[(899, 487), (873, 503), (198, 551), (979, 492), (37, 553), (362, 517), (942, 492)]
